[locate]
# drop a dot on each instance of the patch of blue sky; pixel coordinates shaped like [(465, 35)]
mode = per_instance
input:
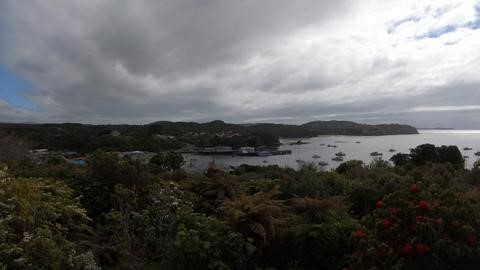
[(437, 33), (13, 89), (476, 23)]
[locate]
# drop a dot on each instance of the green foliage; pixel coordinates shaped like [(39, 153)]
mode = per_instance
[(41, 225), (140, 226), (159, 217), (168, 161), (400, 159), (205, 243), (429, 153), (421, 226), (349, 165)]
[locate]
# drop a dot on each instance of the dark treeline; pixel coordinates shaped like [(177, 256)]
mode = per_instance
[(161, 136), (423, 212)]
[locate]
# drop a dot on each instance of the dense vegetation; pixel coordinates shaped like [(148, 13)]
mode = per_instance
[(161, 136), (351, 128), (421, 213)]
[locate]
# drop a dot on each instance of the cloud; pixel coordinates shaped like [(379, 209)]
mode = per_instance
[(121, 61)]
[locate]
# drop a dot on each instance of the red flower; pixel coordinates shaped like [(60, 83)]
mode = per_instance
[(386, 223), (414, 188), (439, 221), (379, 204), (393, 211), (456, 223), (358, 234), (407, 249), (356, 254), (420, 218), (421, 248), (423, 204), (471, 240)]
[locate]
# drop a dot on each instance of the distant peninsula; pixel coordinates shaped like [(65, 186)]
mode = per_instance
[(165, 135), (352, 128)]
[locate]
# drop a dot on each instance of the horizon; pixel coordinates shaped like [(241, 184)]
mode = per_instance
[(124, 62)]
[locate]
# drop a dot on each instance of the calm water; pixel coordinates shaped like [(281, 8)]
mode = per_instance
[(348, 145)]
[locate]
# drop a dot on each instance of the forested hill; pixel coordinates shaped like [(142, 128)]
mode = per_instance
[(290, 131), (166, 135), (352, 128)]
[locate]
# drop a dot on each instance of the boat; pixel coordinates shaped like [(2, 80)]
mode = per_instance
[(315, 156), (392, 150), (467, 148), (357, 142), (332, 145), (340, 154), (264, 153), (280, 152), (299, 161), (299, 142), (265, 161), (376, 154), (477, 153), (337, 159), (322, 163)]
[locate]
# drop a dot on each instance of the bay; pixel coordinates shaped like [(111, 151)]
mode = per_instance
[(349, 146)]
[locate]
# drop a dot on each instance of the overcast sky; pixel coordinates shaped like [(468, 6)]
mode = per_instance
[(118, 61)]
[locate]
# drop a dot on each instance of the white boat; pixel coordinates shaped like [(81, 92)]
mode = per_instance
[(322, 163), (376, 154)]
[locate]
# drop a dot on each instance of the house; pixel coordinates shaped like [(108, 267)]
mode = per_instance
[(141, 156), (223, 149), (80, 161), (38, 155), (246, 151)]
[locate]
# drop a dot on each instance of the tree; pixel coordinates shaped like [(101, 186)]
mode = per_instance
[(205, 243), (400, 159), (451, 154), (169, 161), (424, 153), (349, 165), (42, 226), (12, 150), (253, 216)]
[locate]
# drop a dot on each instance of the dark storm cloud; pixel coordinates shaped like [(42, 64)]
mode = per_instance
[(290, 61)]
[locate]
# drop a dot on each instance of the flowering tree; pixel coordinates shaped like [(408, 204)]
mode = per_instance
[(421, 226)]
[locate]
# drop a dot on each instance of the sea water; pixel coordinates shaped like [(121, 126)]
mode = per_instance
[(354, 147)]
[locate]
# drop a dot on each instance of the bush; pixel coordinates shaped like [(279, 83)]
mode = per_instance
[(419, 227), (205, 243)]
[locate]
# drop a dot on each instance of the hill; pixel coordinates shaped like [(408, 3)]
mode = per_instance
[(352, 128), (164, 135)]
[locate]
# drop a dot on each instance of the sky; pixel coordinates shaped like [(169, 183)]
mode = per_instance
[(120, 61)]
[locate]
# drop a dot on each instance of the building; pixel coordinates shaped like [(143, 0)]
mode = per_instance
[(246, 151)]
